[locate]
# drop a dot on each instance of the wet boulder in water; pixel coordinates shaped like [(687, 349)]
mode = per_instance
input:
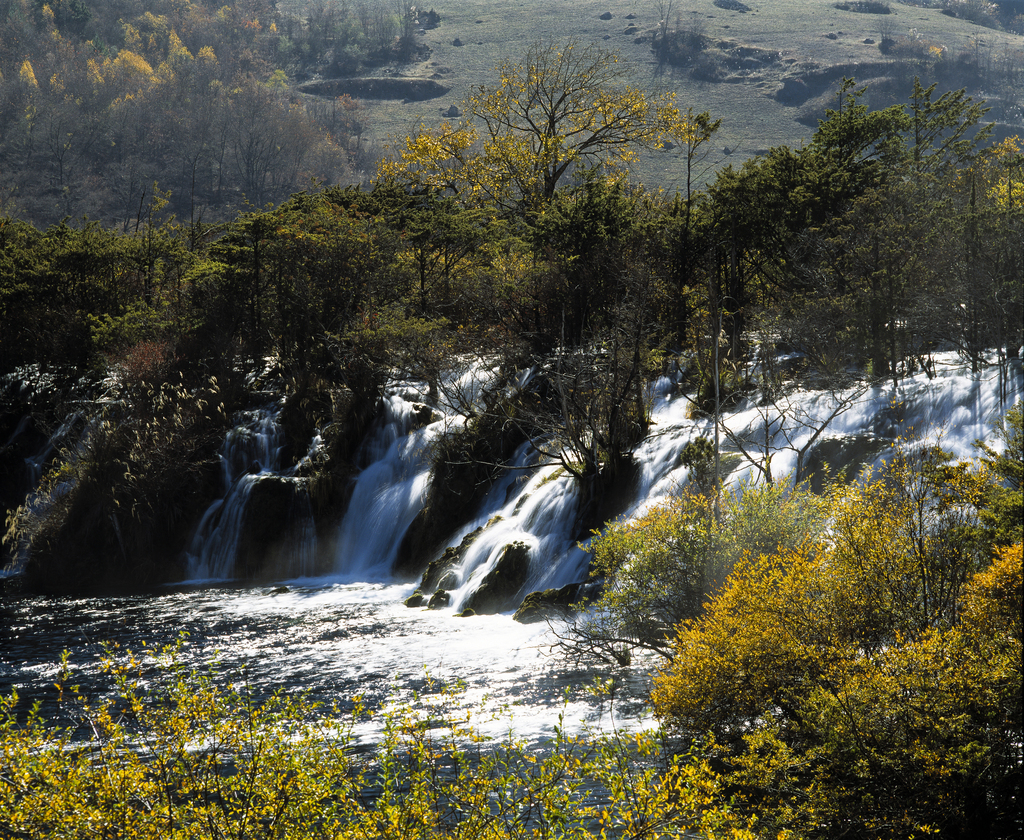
[(551, 603), (417, 599), (449, 581), (439, 568), (422, 415), (439, 600), (503, 583)]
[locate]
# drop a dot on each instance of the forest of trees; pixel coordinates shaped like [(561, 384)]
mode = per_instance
[(105, 104)]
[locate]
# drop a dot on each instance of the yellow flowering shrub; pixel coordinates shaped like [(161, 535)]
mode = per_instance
[(176, 753)]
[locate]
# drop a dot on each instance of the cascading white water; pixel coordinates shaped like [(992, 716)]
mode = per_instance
[(953, 409), (537, 505), (251, 453), (530, 504), (538, 510), (389, 491)]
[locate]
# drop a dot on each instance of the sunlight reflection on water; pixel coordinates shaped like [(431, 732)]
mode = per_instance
[(334, 641)]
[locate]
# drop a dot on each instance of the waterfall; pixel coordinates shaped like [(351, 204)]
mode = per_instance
[(250, 459), (390, 490), (71, 433), (859, 425), (529, 504), (537, 505)]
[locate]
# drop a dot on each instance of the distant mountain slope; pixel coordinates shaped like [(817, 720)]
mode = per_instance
[(768, 69)]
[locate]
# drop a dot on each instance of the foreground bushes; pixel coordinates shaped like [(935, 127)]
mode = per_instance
[(172, 754), (866, 683)]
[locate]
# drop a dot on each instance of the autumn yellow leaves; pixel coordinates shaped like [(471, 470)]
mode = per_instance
[(559, 109), (867, 682)]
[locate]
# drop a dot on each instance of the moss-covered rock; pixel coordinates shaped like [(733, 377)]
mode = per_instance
[(449, 581), (440, 567), (439, 600), (417, 599), (548, 604), (504, 582)]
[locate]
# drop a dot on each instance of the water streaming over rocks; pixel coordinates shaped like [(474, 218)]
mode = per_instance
[(261, 502), (536, 505), (853, 429), (390, 490)]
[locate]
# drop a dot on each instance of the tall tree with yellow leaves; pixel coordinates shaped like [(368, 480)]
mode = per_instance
[(560, 109)]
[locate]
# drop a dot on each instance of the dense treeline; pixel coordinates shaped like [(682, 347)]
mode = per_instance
[(105, 103)]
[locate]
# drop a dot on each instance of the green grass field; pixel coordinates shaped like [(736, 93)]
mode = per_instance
[(753, 54)]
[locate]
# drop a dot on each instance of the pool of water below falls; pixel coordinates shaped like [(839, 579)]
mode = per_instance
[(334, 641)]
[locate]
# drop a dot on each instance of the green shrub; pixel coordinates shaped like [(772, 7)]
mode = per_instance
[(661, 568)]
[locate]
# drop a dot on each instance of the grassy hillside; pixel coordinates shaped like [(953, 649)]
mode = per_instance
[(768, 72)]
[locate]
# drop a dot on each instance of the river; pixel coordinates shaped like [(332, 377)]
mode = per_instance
[(330, 640)]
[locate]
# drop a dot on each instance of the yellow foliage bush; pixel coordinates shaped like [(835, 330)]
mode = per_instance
[(868, 682)]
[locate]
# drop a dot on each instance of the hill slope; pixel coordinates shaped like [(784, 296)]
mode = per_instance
[(768, 69)]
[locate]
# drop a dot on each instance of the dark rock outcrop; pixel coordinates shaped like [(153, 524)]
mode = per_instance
[(449, 581), (422, 415), (467, 462), (504, 582), (413, 90), (265, 535), (439, 600), (439, 568), (793, 92), (549, 604)]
